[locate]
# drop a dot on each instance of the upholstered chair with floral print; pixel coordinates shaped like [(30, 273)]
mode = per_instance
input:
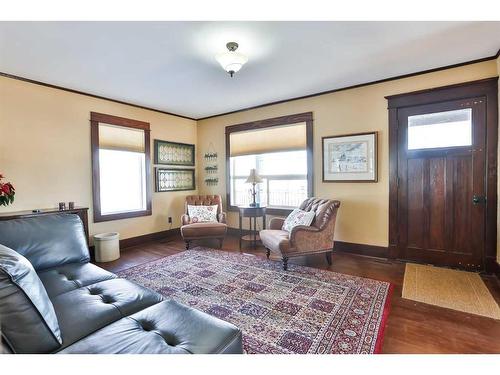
[(207, 220), (300, 240)]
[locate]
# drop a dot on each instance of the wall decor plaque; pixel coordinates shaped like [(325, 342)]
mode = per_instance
[(174, 153), (174, 179)]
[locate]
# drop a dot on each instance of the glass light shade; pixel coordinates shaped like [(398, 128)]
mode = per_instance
[(231, 61)]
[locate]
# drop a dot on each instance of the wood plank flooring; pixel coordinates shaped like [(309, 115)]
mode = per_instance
[(412, 327)]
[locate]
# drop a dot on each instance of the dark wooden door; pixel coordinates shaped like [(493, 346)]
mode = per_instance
[(441, 183)]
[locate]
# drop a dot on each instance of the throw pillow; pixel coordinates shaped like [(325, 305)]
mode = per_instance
[(202, 214), (29, 322), (298, 217)]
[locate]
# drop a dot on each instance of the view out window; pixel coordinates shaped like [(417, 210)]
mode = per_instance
[(440, 129), (121, 167), (279, 151), (116, 169), (284, 177)]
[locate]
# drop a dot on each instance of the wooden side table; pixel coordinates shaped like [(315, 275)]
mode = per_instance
[(252, 213)]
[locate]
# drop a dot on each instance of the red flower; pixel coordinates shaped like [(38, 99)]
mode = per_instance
[(5, 188)]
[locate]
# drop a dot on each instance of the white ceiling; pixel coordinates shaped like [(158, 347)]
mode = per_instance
[(170, 66)]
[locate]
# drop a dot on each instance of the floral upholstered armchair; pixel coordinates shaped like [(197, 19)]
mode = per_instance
[(304, 240), (194, 229)]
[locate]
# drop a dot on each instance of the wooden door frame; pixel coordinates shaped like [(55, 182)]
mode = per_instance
[(487, 88)]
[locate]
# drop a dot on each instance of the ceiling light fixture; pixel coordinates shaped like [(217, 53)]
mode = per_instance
[(231, 61)]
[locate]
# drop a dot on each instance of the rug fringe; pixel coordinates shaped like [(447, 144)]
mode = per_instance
[(383, 322)]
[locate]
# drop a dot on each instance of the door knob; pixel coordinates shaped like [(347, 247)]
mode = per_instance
[(476, 199)]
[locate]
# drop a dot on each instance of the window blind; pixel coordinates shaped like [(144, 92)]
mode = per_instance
[(113, 137), (274, 139)]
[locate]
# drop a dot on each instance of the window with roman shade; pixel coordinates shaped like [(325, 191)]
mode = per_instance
[(121, 165), (280, 150)]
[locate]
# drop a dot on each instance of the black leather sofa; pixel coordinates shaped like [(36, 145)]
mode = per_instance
[(52, 300)]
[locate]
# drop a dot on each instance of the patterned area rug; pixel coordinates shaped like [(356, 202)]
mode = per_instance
[(302, 310)]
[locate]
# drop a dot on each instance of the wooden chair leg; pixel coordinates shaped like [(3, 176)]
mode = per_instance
[(221, 241), (187, 245), (268, 253), (285, 263), (329, 258)]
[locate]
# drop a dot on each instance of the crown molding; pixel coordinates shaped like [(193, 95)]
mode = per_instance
[(488, 58), (393, 78), (28, 80)]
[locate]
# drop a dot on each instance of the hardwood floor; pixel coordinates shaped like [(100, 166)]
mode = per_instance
[(412, 327)]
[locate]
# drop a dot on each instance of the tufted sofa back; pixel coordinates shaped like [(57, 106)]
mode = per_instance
[(204, 200), (47, 240), (325, 209)]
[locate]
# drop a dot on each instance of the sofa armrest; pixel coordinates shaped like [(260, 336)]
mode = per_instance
[(222, 217), (276, 223), (185, 219), (4, 348), (303, 237)]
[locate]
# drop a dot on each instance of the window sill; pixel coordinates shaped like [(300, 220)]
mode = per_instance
[(269, 210), (119, 216)]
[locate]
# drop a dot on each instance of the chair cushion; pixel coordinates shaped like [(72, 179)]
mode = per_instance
[(87, 309), (275, 239), (48, 240), (202, 214), (62, 279), (298, 217), (201, 230), (167, 327), (28, 320)]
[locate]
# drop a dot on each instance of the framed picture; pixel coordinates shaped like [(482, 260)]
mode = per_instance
[(350, 158), (174, 153), (174, 179)]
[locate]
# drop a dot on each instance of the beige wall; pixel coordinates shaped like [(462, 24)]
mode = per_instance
[(45, 148), (45, 151), (363, 216)]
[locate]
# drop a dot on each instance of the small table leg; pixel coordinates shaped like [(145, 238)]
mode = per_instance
[(251, 231), (241, 230), (255, 232)]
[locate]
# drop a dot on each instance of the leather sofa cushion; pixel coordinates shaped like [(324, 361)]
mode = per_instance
[(62, 279), (200, 230), (87, 309), (46, 241), (167, 327), (275, 239), (28, 320)]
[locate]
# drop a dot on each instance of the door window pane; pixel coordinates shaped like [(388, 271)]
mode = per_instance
[(440, 129)]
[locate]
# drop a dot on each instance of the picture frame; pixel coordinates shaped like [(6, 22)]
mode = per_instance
[(174, 153), (350, 157), (168, 179)]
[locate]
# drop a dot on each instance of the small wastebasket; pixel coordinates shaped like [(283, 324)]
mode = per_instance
[(107, 246)]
